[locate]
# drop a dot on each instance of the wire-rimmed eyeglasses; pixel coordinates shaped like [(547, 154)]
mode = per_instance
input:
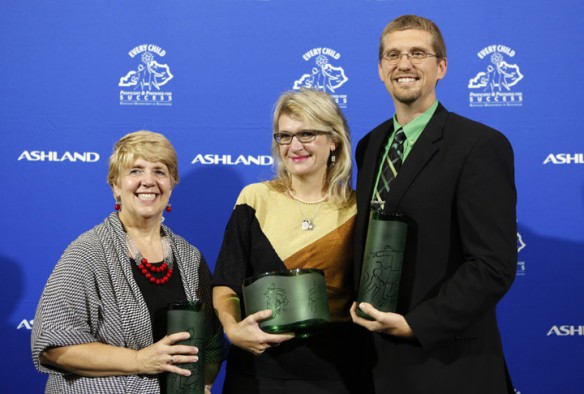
[(416, 57), (303, 136)]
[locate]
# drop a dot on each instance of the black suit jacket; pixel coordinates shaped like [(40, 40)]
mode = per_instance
[(457, 189)]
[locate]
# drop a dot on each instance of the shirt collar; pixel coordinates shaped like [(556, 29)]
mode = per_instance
[(414, 128)]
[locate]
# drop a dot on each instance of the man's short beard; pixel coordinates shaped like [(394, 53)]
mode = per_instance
[(407, 98)]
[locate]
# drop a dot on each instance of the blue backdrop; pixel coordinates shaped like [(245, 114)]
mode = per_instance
[(76, 76)]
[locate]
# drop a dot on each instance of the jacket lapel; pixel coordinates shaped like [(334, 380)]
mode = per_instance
[(422, 152), (370, 163), (424, 149)]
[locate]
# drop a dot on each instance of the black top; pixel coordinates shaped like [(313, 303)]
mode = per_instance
[(157, 297)]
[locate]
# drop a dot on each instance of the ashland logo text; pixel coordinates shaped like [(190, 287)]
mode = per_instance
[(566, 331), (232, 160), (25, 324), (39, 155), (564, 158)]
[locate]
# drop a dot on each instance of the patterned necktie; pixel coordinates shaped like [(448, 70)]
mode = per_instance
[(391, 164)]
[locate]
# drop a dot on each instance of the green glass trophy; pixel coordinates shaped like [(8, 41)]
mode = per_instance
[(297, 298), (382, 262), (187, 316)]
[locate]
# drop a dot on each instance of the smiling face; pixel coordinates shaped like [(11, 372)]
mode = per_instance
[(411, 85), (304, 160), (144, 190)]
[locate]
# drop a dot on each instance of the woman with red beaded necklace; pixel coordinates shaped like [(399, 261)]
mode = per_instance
[(101, 322)]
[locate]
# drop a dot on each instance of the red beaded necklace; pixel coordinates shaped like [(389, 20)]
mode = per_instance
[(148, 269)]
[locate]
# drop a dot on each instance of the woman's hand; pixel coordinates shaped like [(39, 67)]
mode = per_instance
[(163, 355), (248, 335), (99, 359)]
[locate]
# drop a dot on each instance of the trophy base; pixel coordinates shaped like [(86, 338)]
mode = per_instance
[(302, 329)]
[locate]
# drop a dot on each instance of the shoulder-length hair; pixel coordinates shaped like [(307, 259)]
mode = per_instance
[(318, 111)]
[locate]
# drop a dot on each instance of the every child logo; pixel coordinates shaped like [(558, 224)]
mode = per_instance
[(145, 83), (323, 74), (495, 85)]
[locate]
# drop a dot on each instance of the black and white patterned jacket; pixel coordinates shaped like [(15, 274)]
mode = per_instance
[(91, 296)]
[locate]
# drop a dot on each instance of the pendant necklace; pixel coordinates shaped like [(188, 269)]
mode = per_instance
[(307, 223)]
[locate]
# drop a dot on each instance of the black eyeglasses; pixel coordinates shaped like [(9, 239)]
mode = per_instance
[(416, 57), (303, 136)]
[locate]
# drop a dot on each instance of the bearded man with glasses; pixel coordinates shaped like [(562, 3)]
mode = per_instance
[(453, 180)]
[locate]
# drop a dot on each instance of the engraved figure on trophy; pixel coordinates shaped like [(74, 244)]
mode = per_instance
[(187, 384), (382, 283), (314, 299), (276, 299)]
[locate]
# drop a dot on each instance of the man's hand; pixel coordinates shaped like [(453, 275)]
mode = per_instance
[(385, 322)]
